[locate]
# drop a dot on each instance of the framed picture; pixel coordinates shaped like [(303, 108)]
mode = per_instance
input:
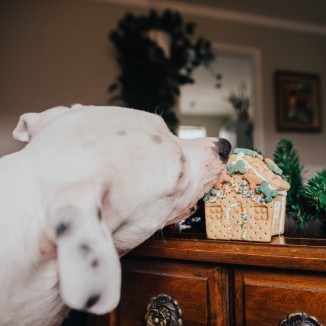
[(298, 106)]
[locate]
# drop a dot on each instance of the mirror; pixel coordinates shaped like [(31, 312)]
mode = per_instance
[(203, 104)]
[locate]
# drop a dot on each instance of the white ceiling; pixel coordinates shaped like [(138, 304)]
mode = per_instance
[(308, 11), (304, 15)]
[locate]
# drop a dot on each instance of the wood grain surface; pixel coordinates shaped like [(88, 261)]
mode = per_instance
[(225, 283)]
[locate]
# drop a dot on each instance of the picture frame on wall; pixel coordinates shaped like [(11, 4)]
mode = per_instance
[(298, 105)]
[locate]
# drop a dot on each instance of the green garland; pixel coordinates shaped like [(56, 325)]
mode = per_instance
[(149, 80), (304, 202), (311, 201)]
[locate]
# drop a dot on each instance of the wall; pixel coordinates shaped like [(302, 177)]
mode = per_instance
[(57, 52), (52, 53), (280, 50)]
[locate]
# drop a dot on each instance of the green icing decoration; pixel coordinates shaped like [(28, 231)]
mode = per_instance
[(273, 167), (238, 167), (206, 197), (269, 193), (245, 151), (212, 192)]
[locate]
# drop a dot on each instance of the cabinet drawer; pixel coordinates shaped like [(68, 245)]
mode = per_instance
[(266, 298), (199, 290)]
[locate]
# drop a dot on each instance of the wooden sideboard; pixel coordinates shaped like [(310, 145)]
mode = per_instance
[(225, 282)]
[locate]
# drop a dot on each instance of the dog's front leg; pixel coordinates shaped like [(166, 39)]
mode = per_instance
[(88, 264)]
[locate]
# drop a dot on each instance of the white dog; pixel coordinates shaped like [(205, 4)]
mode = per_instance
[(91, 184)]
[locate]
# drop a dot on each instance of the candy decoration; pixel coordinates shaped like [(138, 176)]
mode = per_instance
[(273, 167), (232, 186), (245, 151), (244, 219), (269, 193), (238, 167)]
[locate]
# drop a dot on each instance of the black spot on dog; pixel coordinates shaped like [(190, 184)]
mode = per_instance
[(62, 228), (99, 214), (156, 139), (121, 133), (92, 300), (95, 262), (85, 249), (65, 215)]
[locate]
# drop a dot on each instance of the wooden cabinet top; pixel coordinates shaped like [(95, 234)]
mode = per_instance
[(282, 252)]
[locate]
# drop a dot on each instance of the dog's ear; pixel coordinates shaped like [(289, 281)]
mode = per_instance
[(88, 264), (30, 124), (22, 130)]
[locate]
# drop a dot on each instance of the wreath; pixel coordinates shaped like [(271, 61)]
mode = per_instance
[(149, 79)]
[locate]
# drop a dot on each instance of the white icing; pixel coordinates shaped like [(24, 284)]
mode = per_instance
[(277, 211), (240, 156), (229, 208), (282, 221), (228, 217)]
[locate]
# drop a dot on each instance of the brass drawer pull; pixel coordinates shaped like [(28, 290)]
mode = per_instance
[(163, 310), (299, 319)]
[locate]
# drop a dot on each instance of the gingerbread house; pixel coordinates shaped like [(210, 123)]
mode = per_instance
[(248, 201)]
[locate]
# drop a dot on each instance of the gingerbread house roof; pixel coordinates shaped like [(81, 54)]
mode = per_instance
[(262, 174)]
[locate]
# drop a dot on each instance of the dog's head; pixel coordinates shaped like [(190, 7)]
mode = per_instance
[(110, 178)]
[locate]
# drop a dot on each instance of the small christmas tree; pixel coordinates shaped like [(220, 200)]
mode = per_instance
[(305, 202), (287, 159)]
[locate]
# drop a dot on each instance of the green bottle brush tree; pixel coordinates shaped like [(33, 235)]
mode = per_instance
[(305, 202)]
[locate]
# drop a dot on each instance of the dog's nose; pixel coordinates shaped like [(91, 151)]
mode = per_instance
[(223, 148)]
